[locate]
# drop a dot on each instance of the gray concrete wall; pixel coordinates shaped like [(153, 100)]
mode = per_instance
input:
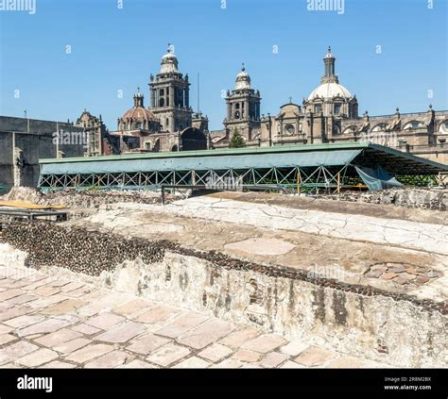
[(6, 168), (34, 138)]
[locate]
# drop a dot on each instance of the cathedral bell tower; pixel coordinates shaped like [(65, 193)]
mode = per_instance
[(170, 98), (243, 108)]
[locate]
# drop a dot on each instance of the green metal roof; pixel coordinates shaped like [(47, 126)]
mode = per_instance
[(217, 152), (311, 155)]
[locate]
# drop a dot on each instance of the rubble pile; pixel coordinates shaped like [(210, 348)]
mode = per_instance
[(403, 274), (79, 250), (434, 199)]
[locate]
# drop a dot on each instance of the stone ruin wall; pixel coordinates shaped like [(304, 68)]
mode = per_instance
[(359, 320), (408, 197)]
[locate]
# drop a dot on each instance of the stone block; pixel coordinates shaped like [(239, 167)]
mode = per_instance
[(147, 343), (215, 352), (168, 354), (122, 333), (314, 356), (37, 358), (110, 360), (89, 352), (264, 343), (206, 333)]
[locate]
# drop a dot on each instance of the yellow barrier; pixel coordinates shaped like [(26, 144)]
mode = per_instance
[(28, 205)]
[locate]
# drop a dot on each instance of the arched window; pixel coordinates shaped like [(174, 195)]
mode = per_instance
[(443, 128), (156, 147), (379, 128), (412, 125), (350, 130)]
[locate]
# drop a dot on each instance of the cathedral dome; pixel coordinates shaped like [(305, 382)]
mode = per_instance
[(138, 113), (242, 80), (329, 91), (169, 62), (330, 87)]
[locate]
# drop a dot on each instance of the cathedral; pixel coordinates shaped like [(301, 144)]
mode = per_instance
[(329, 114), (169, 123)]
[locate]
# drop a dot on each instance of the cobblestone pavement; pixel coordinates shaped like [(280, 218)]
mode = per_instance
[(52, 322)]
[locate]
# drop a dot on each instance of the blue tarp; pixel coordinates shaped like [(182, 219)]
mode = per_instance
[(377, 179)]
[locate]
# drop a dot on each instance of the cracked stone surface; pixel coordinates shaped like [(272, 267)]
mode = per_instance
[(345, 246), (107, 330), (401, 233)]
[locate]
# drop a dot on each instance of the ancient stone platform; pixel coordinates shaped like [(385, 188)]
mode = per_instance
[(363, 281), (55, 322)]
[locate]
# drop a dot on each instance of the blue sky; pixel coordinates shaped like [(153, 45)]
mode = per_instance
[(116, 49)]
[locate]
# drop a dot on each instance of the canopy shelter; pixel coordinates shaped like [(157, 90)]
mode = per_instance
[(301, 166)]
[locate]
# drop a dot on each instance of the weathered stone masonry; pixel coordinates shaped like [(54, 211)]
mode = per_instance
[(409, 198), (377, 324)]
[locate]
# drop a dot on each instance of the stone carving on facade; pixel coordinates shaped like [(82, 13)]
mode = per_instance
[(430, 119), (290, 129), (395, 124), (364, 128)]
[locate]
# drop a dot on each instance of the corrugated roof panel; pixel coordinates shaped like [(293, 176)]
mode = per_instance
[(218, 152), (234, 161)]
